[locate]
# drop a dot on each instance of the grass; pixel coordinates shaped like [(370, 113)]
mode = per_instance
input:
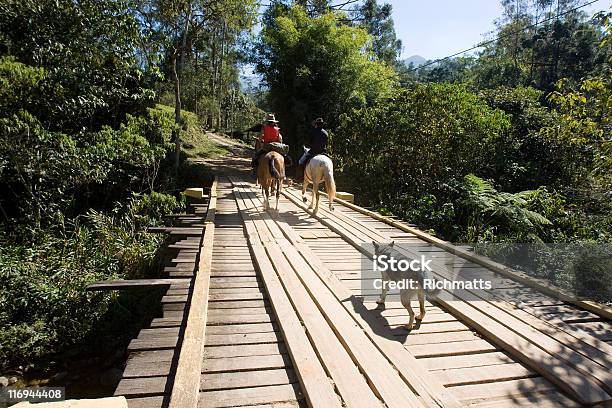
[(196, 143)]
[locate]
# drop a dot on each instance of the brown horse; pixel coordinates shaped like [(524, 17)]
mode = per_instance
[(271, 174)]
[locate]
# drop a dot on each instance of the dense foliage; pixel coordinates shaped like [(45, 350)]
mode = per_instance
[(78, 136), (43, 304), (315, 66)]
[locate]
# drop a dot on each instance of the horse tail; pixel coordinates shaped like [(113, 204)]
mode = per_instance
[(273, 169)]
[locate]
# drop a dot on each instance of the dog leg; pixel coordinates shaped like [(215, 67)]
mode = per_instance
[(384, 289), (421, 295), (405, 297), (383, 296)]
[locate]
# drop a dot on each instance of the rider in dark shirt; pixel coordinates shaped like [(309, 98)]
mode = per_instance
[(316, 140)]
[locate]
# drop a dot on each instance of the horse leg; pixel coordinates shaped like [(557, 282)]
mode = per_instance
[(315, 195), (331, 194), (312, 201), (304, 188), (279, 185), (265, 188)]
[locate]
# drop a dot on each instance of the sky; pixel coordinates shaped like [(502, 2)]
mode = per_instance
[(437, 28)]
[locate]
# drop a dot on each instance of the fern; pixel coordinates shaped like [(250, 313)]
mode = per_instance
[(504, 212)]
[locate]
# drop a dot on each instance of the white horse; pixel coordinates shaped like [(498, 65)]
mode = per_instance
[(319, 169)]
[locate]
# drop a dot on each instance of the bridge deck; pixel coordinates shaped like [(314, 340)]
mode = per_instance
[(289, 324)]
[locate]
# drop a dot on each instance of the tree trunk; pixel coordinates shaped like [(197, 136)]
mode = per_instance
[(213, 78), (177, 114), (177, 93)]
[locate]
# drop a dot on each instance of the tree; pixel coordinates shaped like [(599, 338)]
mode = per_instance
[(180, 24), (586, 113), (538, 43), (411, 144), (377, 21), (316, 67)]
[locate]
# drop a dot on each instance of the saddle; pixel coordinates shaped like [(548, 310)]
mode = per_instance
[(280, 148), (310, 157)]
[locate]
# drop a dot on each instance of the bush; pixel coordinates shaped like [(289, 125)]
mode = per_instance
[(43, 304), (410, 145)]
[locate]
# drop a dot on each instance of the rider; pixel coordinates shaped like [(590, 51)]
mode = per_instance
[(316, 140), (270, 133)]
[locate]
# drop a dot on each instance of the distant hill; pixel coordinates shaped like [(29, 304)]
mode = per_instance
[(416, 60)]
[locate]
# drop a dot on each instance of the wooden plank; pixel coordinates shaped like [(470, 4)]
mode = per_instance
[(242, 350), (451, 349), (470, 360), (246, 379), (139, 387), (185, 390), (478, 392), (541, 284), (426, 386), (134, 284), (577, 377), (485, 374), (241, 338), (250, 396), (246, 363), (194, 232)]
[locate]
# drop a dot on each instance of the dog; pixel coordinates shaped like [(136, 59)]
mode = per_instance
[(406, 295)]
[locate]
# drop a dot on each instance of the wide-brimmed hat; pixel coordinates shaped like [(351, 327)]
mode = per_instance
[(270, 118), (319, 121)]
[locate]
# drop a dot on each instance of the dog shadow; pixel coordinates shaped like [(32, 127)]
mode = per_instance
[(379, 324)]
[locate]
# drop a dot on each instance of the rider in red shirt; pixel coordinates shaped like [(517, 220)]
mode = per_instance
[(270, 133)]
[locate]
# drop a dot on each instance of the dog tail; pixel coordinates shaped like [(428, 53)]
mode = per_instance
[(431, 292)]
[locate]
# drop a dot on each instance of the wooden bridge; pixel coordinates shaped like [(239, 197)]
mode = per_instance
[(268, 309)]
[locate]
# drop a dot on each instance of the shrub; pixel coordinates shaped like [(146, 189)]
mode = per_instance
[(410, 145), (43, 304)]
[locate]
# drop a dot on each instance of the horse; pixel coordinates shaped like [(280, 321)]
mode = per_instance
[(271, 174), (319, 169)]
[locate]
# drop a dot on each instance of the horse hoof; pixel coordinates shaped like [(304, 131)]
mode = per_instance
[(304, 199)]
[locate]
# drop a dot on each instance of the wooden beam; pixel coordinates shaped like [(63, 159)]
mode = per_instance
[(186, 387), (134, 284), (193, 232)]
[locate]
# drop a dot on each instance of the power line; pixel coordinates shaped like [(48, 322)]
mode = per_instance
[(482, 44)]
